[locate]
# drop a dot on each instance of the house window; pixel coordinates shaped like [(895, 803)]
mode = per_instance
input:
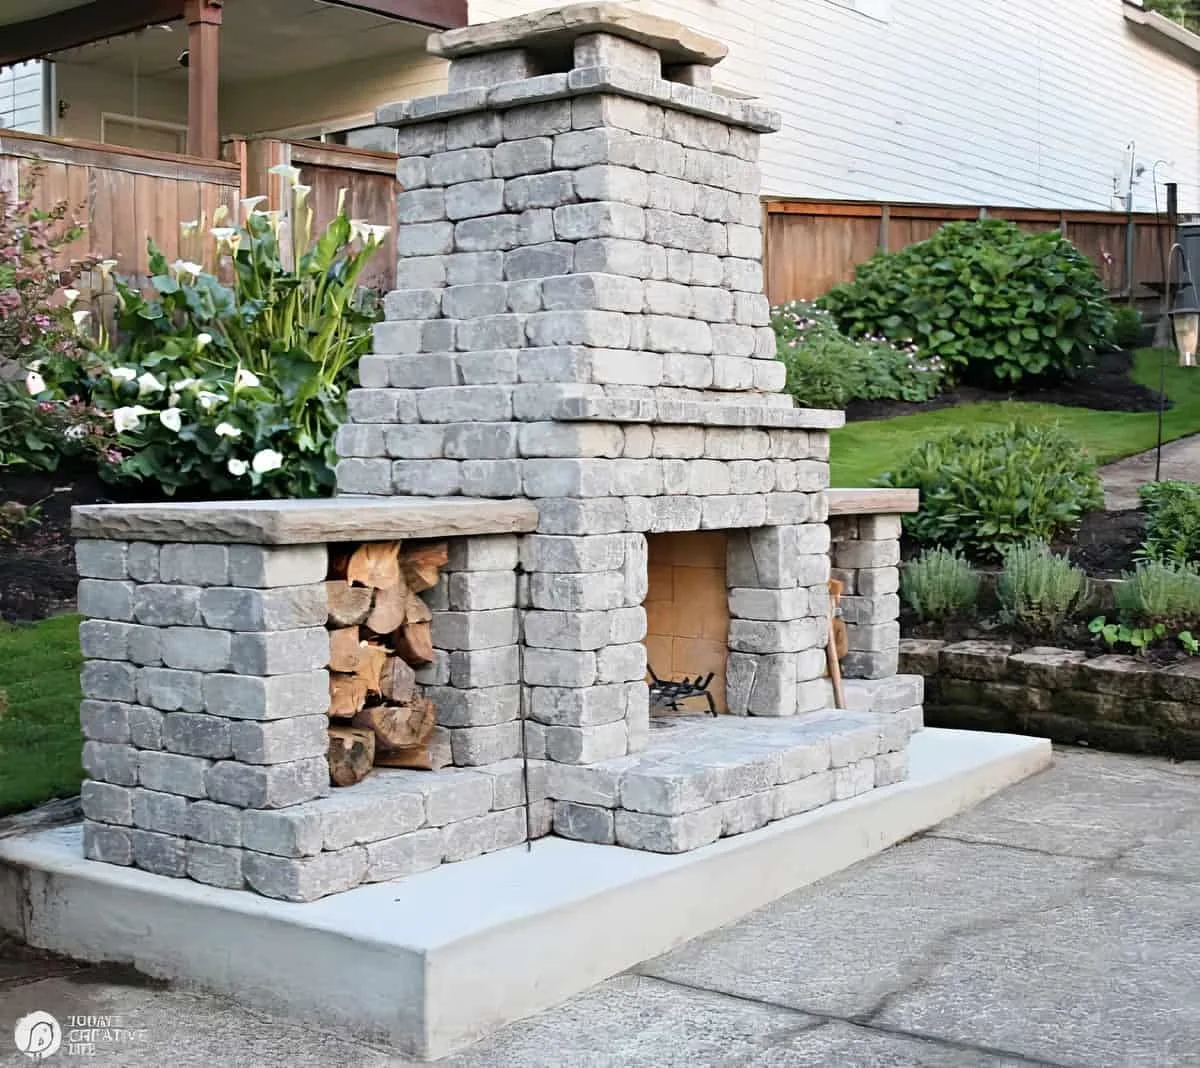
[(879, 10)]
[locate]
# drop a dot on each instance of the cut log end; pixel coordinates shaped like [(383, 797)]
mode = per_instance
[(399, 726), (414, 643), (348, 605), (351, 755)]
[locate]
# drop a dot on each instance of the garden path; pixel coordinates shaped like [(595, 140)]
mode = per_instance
[(1055, 925), (1180, 462)]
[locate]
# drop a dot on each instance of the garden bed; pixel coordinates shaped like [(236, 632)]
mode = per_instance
[(1122, 703), (1105, 387), (37, 558)]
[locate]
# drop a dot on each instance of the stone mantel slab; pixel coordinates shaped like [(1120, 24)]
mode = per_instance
[(556, 29), (580, 82), (303, 522), (873, 501)]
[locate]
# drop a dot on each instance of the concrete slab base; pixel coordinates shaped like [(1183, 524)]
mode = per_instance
[(434, 962)]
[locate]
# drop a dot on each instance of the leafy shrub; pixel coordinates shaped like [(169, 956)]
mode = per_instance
[(985, 488), (1172, 521), (1039, 589), (1126, 327), (827, 369), (235, 388), (38, 320), (997, 305), (939, 584), (1156, 592)]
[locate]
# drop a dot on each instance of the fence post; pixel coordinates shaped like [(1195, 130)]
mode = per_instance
[(885, 224)]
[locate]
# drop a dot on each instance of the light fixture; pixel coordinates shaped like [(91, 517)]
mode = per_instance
[(1185, 327)]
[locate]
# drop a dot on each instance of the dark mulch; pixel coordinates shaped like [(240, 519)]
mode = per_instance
[(1073, 635), (37, 564), (1104, 545), (1106, 387)]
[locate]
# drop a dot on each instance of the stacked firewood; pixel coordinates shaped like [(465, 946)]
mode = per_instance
[(378, 633)]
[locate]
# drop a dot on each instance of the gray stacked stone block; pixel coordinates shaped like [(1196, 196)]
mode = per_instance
[(204, 682), (865, 555)]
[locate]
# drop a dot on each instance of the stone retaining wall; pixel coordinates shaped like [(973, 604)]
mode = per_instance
[(1110, 702)]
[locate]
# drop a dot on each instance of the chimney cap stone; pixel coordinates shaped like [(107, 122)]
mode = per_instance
[(556, 29)]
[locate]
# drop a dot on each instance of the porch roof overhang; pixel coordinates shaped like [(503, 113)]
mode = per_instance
[(82, 22)]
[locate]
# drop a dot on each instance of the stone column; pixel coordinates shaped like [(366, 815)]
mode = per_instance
[(866, 558)]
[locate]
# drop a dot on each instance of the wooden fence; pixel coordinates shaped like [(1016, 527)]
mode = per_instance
[(368, 178), (121, 195), (811, 246)]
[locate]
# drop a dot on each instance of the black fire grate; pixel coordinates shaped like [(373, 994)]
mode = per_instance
[(667, 693)]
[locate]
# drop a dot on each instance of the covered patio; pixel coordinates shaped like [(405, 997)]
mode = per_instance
[(183, 76)]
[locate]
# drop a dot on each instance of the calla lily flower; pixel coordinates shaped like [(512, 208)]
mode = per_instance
[(105, 267), (250, 204), (203, 341), (284, 170), (129, 418), (236, 467), (171, 418), (122, 374), (70, 296), (245, 379), (228, 430), (208, 400), (35, 383), (266, 460), (181, 267), (81, 317), (147, 383)]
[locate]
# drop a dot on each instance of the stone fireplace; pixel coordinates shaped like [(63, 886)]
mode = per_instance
[(575, 389)]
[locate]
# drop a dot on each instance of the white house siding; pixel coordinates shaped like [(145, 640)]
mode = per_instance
[(21, 97), (1022, 102)]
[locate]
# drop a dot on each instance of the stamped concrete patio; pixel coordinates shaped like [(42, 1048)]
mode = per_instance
[(1058, 923)]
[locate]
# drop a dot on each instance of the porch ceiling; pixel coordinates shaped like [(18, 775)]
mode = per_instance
[(23, 10), (260, 39)]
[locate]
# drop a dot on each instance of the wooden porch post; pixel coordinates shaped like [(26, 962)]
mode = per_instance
[(204, 36)]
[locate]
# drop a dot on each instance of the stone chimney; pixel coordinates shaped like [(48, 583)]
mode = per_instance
[(581, 321)]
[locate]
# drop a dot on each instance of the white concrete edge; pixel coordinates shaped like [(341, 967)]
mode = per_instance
[(515, 932)]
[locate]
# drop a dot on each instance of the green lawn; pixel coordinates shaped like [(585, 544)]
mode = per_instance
[(861, 452), (39, 731)]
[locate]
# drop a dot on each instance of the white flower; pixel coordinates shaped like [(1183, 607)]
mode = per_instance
[(35, 383), (220, 214), (223, 234), (250, 204), (70, 296), (202, 341), (245, 379), (266, 460), (81, 318), (292, 174), (376, 234), (236, 467), (301, 192), (129, 418), (147, 383), (228, 430), (75, 432), (34, 365), (105, 267), (208, 400), (181, 267), (122, 374), (171, 419)]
